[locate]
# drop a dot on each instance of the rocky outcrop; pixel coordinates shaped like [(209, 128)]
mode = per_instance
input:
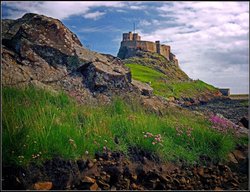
[(40, 50), (102, 76), (144, 88)]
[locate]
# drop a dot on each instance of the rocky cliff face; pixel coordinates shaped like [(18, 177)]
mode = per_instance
[(40, 50)]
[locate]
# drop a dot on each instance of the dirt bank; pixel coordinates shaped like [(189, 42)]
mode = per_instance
[(142, 171)]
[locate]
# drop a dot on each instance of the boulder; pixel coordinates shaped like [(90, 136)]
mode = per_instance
[(100, 76), (244, 121), (155, 104), (144, 88), (41, 51)]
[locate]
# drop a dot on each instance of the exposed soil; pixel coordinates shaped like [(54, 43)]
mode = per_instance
[(142, 171)]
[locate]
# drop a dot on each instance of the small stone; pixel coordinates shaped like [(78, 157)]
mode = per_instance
[(183, 180), (104, 185), (127, 183), (218, 189), (231, 158), (103, 173), (201, 171), (239, 155), (235, 179), (105, 178), (189, 187), (134, 177), (43, 186), (228, 169), (134, 186), (94, 187), (87, 179), (235, 184), (18, 180), (176, 182), (90, 164)]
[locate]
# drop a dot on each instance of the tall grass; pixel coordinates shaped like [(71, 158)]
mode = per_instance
[(38, 125)]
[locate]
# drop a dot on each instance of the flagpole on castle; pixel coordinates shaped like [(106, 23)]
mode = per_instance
[(134, 27)]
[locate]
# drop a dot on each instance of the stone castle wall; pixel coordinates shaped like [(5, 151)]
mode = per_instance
[(132, 42), (147, 46), (142, 45), (165, 51)]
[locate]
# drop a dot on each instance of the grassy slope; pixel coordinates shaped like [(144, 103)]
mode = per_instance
[(158, 62), (38, 126), (166, 88)]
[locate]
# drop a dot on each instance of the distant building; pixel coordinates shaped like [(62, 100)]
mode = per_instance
[(132, 42), (225, 91)]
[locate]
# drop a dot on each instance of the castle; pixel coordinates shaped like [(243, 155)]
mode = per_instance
[(132, 42)]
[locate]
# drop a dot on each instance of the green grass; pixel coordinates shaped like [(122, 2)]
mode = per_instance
[(159, 63), (37, 122), (145, 74), (165, 88)]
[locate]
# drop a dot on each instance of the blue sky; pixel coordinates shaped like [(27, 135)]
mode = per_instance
[(210, 39)]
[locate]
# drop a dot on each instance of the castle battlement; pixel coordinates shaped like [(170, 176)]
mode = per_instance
[(131, 36), (132, 42)]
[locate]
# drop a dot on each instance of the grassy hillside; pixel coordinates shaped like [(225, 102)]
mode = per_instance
[(159, 63), (169, 88), (38, 125)]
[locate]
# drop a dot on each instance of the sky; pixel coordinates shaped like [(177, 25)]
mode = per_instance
[(209, 38)]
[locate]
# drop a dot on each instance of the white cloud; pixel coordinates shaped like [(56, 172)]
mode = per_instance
[(94, 15), (137, 7), (143, 23), (57, 9), (121, 11), (210, 39)]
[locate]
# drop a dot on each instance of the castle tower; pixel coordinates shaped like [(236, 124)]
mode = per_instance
[(158, 47), (136, 37), (127, 36)]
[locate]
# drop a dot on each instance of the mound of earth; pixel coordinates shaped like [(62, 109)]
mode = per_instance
[(142, 171)]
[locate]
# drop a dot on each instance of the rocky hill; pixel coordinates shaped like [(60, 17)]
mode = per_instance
[(40, 50)]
